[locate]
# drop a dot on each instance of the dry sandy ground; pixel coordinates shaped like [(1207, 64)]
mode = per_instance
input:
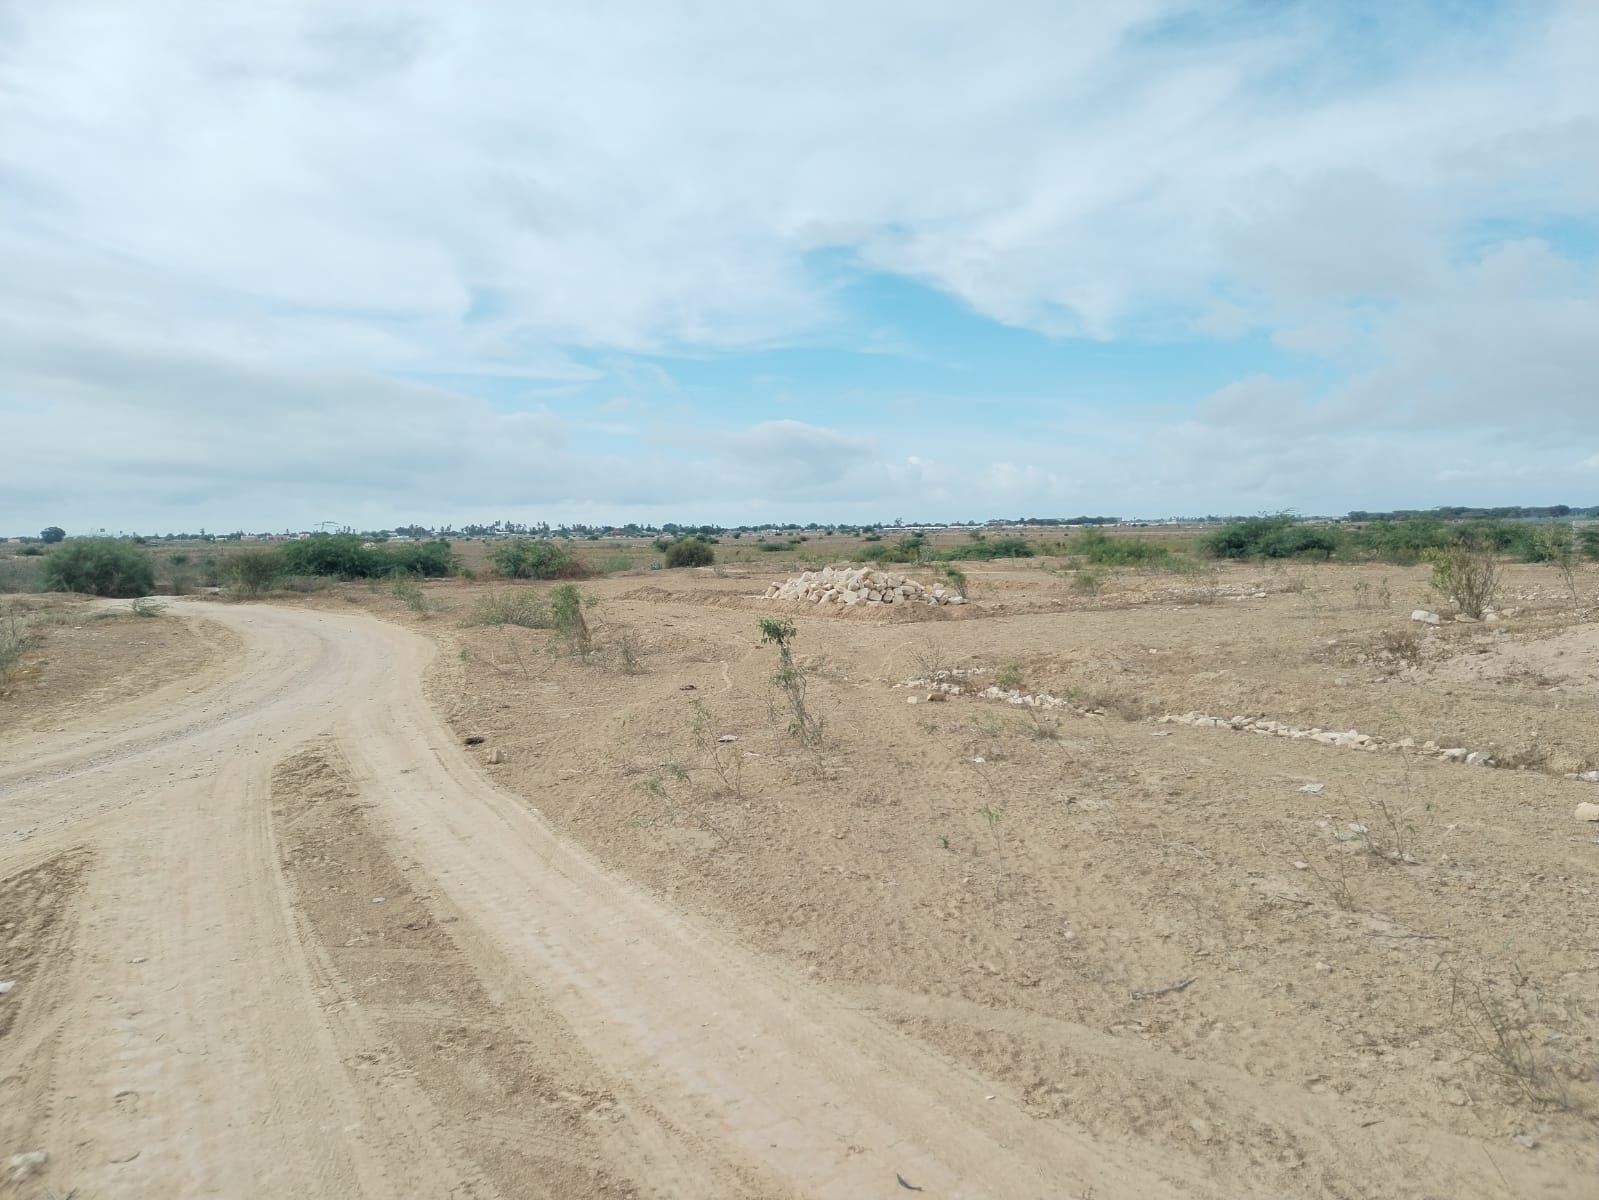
[(282, 935)]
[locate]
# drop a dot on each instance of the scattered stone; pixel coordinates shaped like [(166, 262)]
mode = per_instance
[(936, 697), (496, 756), (1587, 812), (474, 740), (1527, 1141), (727, 739), (1313, 789), (1301, 865), (1479, 758), (377, 899), (6, 985), (1425, 617), (852, 585), (1588, 776), (24, 1166)]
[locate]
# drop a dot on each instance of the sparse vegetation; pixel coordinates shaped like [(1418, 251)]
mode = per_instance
[(1496, 1021), (253, 572), (1467, 575), (567, 603), (511, 607), (15, 641), (1557, 546), (409, 593), (1099, 548), (791, 682)]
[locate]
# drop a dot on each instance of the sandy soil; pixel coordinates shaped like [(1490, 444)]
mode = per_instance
[(285, 935), (85, 654)]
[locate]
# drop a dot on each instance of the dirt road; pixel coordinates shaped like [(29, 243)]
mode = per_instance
[(213, 998)]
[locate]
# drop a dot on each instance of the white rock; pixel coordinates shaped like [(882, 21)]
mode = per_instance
[(25, 1165), (1479, 758), (6, 985), (1587, 812), (1313, 789), (1425, 617)]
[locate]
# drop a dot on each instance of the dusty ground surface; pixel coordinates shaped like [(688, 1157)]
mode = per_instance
[(84, 655), (288, 936)]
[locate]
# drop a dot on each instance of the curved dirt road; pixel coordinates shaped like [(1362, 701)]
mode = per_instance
[(212, 1003)]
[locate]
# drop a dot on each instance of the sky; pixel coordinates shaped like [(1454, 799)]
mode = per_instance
[(268, 265)]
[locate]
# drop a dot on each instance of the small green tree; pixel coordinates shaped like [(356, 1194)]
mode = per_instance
[(689, 552), (1557, 545), (1467, 575), (100, 567), (790, 679), (567, 603)]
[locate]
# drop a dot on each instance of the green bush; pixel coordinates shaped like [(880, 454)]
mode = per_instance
[(1012, 547), (689, 552), (350, 556), (31, 551), (251, 572), (1466, 574), (1588, 541), (528, 558), (1101, 549), (567, 603), (100, 567), (342, 556), (1277, 536), (431, 560)]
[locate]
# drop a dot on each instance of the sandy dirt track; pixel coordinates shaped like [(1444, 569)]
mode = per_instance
[(209, 1010)]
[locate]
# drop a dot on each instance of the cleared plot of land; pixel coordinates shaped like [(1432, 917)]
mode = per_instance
[(78, 656), (284, 936)]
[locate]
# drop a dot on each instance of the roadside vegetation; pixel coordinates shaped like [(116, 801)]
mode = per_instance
[(1405, 541), (100, 567)]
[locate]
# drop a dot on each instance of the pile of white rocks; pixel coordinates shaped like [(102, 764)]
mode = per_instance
[(859, 585)]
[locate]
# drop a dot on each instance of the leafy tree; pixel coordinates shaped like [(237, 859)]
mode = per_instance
[(52, 535), (100, 567)]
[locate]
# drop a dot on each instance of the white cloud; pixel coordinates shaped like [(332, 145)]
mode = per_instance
[(228, 233)]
